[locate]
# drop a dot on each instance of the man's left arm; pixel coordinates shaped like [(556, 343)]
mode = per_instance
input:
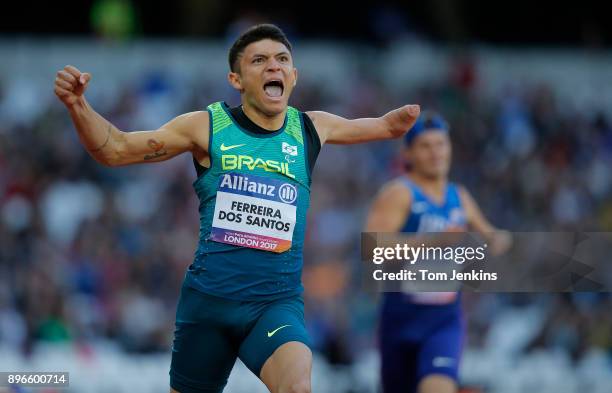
[(499, 240), (336, 129)]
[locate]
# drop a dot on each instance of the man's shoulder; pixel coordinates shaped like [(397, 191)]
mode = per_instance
[(461, 189), (397, 189), (313, 115), (313, 124), (193, 125), (194, 120)]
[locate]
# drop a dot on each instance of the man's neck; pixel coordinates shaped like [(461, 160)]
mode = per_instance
[(435, 186), (270, 123)]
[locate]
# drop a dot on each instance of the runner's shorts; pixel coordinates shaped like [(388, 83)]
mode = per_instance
[(211, 332)]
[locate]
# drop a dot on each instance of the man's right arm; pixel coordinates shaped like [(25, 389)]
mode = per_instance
[(113, 147), (388, 214), (390, 208)]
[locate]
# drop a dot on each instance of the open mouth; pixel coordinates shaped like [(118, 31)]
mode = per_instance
[(274, 88)]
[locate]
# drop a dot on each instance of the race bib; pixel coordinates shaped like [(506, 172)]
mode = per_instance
[(255, 212), (433, 297)]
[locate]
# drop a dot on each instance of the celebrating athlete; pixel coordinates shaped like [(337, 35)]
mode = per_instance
[(242, 294)]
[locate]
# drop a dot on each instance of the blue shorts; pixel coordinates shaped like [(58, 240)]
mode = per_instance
[(417, 341), (212, 332)]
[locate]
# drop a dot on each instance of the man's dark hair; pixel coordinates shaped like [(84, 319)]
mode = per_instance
[(254, 34)]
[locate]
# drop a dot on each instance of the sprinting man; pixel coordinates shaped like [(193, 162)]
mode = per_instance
[(242, 294), (421, 334)]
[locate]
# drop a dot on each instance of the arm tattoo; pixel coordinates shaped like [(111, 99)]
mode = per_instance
[(105, 142), (158, 149)]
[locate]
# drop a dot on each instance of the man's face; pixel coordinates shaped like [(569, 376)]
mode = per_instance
[(430, 154), (265, 76)]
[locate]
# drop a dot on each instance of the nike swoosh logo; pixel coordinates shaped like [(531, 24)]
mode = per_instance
[(225, 148), (273, 332)]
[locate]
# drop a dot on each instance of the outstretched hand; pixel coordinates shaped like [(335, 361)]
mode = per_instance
[(402, 119)]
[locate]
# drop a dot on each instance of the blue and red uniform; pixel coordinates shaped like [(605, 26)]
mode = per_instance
[(421, 334)]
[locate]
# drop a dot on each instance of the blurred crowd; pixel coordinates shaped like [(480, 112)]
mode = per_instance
[(89, 253)]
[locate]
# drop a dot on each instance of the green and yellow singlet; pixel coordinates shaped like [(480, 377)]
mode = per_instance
[(253, 203)]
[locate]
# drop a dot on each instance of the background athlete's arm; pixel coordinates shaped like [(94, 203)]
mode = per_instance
[(499, 240), (336, 129), (388, 214), (113, 147), (390, 208)]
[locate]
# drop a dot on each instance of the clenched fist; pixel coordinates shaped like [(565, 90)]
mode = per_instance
[(70, 84)]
